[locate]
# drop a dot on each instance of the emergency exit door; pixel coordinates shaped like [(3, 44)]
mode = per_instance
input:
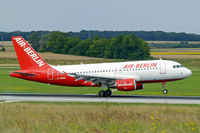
[(50, 74)]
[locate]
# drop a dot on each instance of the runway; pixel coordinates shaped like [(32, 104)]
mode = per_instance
[(14, 97)]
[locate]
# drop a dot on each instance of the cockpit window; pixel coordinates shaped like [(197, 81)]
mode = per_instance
[(177, 66)]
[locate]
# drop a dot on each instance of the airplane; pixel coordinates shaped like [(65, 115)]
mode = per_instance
[(123, 76)]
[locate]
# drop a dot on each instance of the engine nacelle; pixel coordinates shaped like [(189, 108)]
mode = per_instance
[(128, 85)]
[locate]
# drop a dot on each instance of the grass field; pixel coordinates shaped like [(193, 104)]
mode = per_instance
[(10, 59), (186, 87), (172, 42), (189, 57), (189, 53), (176, 50), (98, 118)]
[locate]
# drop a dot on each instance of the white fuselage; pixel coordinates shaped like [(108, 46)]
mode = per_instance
[(141, 71)]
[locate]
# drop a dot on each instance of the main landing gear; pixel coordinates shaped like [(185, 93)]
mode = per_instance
[(165, 91), (103, 93), (106, 93)]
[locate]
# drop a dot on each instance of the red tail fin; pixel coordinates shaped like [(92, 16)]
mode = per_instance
[(27, 56)]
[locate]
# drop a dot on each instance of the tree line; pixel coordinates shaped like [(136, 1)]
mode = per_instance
[(6, 36), (128, 47), (145, 35)]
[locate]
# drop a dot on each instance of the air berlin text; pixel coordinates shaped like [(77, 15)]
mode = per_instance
[(30, 52), (141, 65)]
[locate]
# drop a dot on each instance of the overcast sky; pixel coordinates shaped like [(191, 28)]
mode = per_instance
[(76, 15)]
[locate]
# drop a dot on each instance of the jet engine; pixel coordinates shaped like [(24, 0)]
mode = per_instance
[(128, 85)]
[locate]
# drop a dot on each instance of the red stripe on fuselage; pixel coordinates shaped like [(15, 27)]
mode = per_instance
[(157, 81)]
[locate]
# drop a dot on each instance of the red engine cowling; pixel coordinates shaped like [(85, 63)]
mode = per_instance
[(128, 85)]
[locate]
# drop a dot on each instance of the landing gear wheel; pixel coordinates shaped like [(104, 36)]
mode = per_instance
[(165, 91), (108, 93), (101, 93)]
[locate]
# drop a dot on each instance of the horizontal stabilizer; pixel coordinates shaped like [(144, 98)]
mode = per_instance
[(25, 74)]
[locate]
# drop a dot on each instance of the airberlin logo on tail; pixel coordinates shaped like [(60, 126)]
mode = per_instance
[(29, 52)]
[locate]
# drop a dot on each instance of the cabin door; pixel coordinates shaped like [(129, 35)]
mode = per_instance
[(162, 68)]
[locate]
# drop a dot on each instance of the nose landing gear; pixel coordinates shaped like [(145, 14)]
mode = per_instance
[(165, 91)]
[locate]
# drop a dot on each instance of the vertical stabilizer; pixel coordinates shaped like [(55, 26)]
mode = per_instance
[(27, 56)]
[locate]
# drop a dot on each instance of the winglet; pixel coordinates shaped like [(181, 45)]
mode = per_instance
[(27, 56)]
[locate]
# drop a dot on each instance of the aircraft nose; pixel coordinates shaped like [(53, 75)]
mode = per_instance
[(188, 73)]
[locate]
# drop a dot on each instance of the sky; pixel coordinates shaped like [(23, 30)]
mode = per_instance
[(115, 15)]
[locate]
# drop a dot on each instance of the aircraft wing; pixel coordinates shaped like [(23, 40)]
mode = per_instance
[(97, 79), (94, 79)]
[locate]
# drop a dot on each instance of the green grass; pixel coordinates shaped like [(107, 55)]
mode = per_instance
[(108, 104), (102, 118), (8, 61), (186, 87), (190, 63)]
